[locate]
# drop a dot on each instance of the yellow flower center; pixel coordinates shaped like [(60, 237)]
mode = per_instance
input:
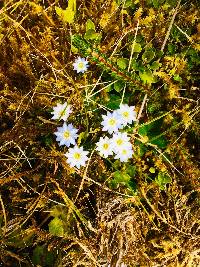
[(77, 155), (105, 146), (112, 122), (124, 151), (126, 114), (67, 134), (81, 65), (119, 142)]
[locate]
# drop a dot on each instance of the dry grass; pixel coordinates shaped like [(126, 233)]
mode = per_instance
[(102, 224)]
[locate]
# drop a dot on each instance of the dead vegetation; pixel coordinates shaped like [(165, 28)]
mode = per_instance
[(148, 221)]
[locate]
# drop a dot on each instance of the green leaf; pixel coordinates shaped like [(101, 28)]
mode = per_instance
[(153, 131), (120, 178), (122, 63), (157, 3), (124, 178), (109, 87), (118, 86), (89, 34), (148, 55), (128, 3), (173, 3), (114, 101), (38, 253), (132, 185), (131, 170), (92, 35), (152, 128), (56, 227), (47, 139), (152, 170), (56, 210), (82, 136), (142, 149), (68, 14), (162, 180), (159, 53), (177, 78), (125, 3), (74, 49), (147, 77), (155, 65), (42, 257), (161, 142), (171, 49), (135, 65), (90, 25), (59, 11), (137, 48), (72, 4)]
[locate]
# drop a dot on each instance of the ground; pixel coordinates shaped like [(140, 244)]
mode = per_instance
[(143, 212)]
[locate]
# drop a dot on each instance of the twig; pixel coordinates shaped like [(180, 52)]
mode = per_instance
[(84, 176), (170, 26), (133, 46), (4, 214), (141, 108)]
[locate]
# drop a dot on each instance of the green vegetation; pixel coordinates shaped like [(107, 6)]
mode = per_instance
[(143, 212)]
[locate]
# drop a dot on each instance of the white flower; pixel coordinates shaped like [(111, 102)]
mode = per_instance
[(125, 154), (80, 65), (104, 147), (127, 113), (61, 112), (120, 141), (111, 122), (76, 156), (66, 134)]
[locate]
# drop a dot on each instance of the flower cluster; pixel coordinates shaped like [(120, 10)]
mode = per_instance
[(67, 135), (119, 144)]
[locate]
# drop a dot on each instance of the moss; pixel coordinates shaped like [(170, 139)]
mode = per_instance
[(139, 222)]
